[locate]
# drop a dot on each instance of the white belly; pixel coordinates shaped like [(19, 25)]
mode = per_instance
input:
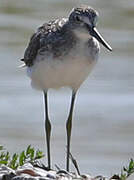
[(70, 71), (55, 73)]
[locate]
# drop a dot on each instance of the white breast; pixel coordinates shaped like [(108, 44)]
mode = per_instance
[(55, 73)]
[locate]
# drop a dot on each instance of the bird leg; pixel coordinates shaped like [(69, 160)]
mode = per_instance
[(47, 128), (69, 128)]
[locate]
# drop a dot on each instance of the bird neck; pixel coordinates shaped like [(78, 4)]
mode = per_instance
[(78, 34)]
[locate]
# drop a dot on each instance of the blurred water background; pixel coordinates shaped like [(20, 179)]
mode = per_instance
[(103, 126)]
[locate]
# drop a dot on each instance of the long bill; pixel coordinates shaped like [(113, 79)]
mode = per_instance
[(97, 35)]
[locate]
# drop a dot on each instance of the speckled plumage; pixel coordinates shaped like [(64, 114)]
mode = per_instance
[(62, 50)]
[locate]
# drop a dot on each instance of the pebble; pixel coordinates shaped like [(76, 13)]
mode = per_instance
[(29, 172)]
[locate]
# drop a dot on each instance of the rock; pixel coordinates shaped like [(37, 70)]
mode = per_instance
[(35, 171), (29, 172), (5, 169), (6, 173)]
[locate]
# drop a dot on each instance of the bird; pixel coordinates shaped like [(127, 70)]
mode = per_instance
[(62, 53)]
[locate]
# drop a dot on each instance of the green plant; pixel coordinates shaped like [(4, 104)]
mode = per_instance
[(127, 171), (29, 155)]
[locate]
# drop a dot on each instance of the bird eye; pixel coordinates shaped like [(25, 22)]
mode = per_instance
[(78, 18)]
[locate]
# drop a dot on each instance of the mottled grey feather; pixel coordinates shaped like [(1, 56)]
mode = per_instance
[(51, 37), (56, 37)]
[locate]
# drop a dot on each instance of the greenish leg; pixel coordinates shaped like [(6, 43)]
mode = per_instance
[(47, 128), (69, 128)]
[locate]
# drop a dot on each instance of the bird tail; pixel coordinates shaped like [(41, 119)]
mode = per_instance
[(22, 65)]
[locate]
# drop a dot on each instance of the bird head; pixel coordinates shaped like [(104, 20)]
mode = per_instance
[(83, 20)]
